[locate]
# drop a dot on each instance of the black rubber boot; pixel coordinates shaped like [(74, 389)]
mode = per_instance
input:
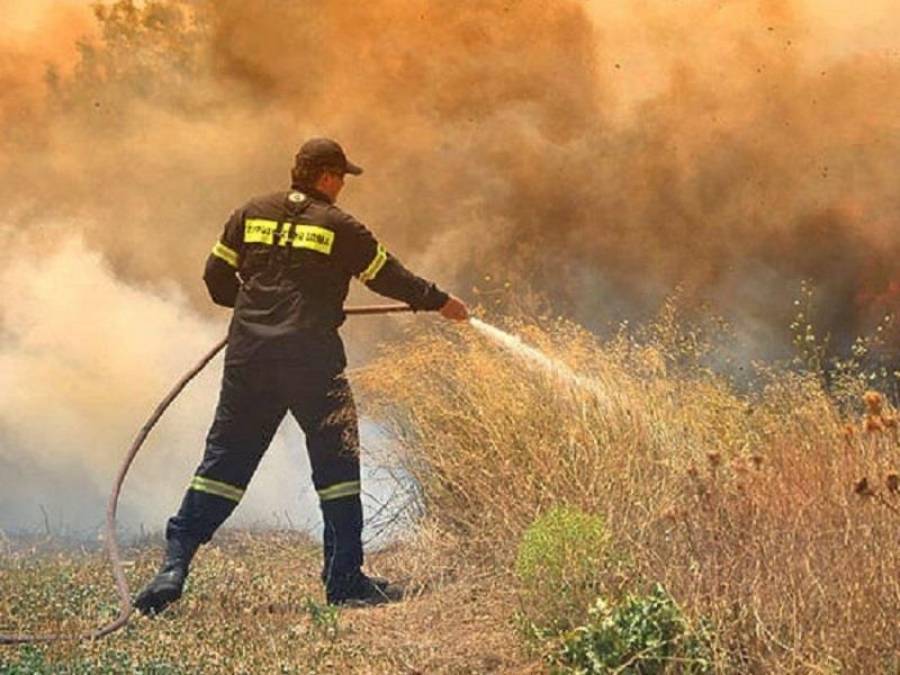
[(342, 540), (359, 590), (167, 585), (345, 583)]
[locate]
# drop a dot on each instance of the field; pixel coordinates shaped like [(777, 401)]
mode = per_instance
[(764, 511), (255, 605)]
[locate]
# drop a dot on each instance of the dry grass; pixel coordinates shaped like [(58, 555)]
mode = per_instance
[(254, 605), (772, 515)]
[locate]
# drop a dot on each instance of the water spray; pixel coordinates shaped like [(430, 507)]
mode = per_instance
[(535, 356), (109, 533)]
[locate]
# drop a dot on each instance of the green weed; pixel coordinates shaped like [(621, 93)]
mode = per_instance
[(558, 564), (644, 635)]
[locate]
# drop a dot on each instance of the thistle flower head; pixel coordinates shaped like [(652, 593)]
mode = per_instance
[(874, 402)]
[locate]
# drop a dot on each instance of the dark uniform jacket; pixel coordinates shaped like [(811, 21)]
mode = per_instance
[(284, 262)]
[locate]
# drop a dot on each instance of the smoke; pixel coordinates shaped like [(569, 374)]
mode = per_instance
[(615, 152), (24, 56), (600, 153), (759, 155), (81, 371), (83, 362)]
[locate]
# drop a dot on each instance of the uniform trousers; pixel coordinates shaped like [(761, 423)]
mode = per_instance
[(254, 399)]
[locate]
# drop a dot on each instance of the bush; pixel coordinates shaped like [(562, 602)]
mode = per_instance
[(643, 635), (559, 560)]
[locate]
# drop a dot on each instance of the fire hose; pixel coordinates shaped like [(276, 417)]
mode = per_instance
[(109, 537)]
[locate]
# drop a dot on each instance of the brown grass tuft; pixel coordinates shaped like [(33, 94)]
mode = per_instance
[(872, 424)]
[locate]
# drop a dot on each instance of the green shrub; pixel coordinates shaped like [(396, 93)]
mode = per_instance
[(559, 561), (643, 635)]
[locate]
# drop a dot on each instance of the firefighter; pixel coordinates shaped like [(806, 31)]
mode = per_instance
[(284, 263)]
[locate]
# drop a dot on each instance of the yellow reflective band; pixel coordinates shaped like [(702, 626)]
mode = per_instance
[(259, 231), (285, 234), (314, 238), (375, 266), (220, 250), (339, 490), (217, 488)]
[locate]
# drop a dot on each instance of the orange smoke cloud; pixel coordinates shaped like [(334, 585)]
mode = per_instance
[(36, 41), (507, 128), (605, 153)]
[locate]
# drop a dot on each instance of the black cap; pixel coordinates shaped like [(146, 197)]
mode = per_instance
[(325, 152)]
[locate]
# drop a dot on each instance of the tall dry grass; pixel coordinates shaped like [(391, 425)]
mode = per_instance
[(772, 512)]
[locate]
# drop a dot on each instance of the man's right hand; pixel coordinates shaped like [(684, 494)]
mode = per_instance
[(455, 310)]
